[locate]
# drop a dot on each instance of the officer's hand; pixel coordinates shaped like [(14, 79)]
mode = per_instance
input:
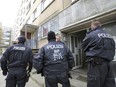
[(69, 75), (4, 73)]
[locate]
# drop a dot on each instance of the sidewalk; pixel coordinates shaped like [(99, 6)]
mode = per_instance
[(37, 81), (2, 80), (77, 81), (31, 82)]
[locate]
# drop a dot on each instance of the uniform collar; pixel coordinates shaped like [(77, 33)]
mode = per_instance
[(97, 28), (52, 40), (94, 29)]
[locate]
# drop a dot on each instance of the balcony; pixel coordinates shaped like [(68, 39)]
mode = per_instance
[(29, 28), (80, 14), (31, 34)]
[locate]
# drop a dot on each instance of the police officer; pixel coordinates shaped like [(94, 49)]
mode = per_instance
[(58, 37), (99, 47), (56, 60), (16, 62)]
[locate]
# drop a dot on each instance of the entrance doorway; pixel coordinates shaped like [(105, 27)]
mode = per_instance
[(74, 46), (74, 43)]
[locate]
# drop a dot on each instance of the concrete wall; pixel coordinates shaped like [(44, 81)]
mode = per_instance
[(42, 42), (54, 9), (84, 10), (49, 12), (81, 11)]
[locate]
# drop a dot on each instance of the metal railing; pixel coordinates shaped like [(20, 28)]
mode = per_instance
[(32, 43)]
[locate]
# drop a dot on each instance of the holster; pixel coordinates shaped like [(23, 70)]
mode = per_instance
[(96, 61)]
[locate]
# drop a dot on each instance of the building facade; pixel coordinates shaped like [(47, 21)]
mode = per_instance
[(70, 18), (34, 13), (0, 36), (5, 38)]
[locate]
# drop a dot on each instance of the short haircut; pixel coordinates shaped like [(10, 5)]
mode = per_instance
[(96, 23)]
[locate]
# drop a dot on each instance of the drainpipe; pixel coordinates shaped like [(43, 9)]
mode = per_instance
[(26, 34), (25, 31), (36, 38)]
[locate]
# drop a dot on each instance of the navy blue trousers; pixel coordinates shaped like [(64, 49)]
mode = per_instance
[(53, 80), (16, 78), (100, 75)]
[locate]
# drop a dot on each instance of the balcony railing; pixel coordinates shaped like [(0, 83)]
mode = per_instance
[(79, 15), (32, 44), (84, 10)]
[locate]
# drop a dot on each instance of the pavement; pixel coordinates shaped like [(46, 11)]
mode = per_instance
[(31, 82), (2, 80), (78, 80), (36, 80)]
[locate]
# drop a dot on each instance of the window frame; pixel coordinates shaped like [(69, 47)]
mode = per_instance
[(50, 26), (42, 5)]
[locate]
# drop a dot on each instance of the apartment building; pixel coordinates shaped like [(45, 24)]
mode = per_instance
[(32, 14), (5, 38), (70, 18), (0, 36)]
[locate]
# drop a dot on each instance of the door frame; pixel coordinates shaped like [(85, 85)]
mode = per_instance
[(75, 51)]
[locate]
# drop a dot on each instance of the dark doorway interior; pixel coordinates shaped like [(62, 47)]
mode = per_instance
[(74, 42)]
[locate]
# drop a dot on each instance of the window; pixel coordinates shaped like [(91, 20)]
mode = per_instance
[(28, 7), (29, 21), (38, 10), (34, 15), (50, 25), (45, 3), (53, 24), (45, 31)]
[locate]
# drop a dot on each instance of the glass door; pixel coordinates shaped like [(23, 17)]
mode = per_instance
[(74, 45)]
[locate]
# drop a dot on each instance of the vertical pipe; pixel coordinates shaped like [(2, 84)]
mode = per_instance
[(26, 31), (26, 34)]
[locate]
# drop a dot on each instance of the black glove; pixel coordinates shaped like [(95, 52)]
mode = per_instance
[(4, 73), (69, 75)]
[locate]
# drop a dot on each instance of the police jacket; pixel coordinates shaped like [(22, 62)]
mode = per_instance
[(99, 43), (17, 56), (54, 58)]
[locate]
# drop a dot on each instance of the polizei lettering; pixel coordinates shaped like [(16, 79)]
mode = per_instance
[(54, 46), (103, 35), (19, 48)]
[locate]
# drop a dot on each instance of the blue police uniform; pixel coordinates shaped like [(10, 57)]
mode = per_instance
[(99, 48), (55, 60), (15, 61)]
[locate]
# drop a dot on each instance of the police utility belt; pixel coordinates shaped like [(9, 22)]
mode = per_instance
[(97, 60)]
